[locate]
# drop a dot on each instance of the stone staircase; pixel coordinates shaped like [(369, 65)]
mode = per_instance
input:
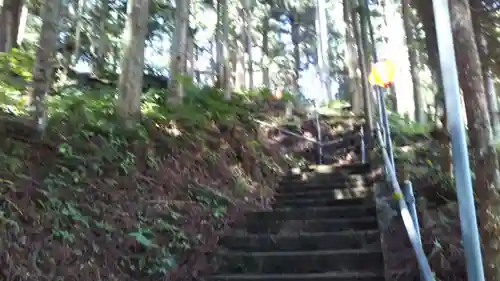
[(320, 229)]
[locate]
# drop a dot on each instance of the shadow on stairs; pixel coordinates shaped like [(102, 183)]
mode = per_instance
[(323, 228)]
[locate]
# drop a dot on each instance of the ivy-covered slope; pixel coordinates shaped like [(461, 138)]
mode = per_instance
[(91, 200)]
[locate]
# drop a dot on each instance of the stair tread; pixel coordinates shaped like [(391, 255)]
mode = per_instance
[(301, 276), (310, 212), (338, 166), (300, 203), (294, 187), (305, 234), (333, 220), (290, 241), (319, 208), (310, 225), (319, 191), (300, 253), (338, 220), (357, 200), (334, 180)]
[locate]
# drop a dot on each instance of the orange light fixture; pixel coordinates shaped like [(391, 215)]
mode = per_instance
[(382, 73), (278, 94)]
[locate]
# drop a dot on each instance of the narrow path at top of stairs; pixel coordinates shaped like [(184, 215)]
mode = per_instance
[(323, 229)]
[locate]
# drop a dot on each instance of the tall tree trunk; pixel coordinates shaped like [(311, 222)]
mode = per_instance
[(190, 60), (43, 66), (22, 24), (219, 43), (426, 15), (247, 14), (78, 31), (388, 11), (132, 65), (484, 155), (178, 51), (213, 59), (492, 104), (359, 32), (238, 64), (10, 19), (235, 77), (296, 49), (102, 48), (351, 61), (265, 54), (323, 50), (225, 35), (412, 56), (477, 12), (243, 59)]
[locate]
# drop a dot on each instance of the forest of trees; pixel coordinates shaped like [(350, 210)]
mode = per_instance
[(138, 46)]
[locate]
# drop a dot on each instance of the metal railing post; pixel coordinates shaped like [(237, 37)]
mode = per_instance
[(385, 124), (379, 122), (460, 154), (320, 139), (410, 201), (412, 208), (363, 149), (378, 95)]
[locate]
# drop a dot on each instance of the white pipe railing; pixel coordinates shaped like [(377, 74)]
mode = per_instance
[(408, 221), (285, 131)]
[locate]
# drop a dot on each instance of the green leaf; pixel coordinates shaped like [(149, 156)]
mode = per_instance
[(143, 240)]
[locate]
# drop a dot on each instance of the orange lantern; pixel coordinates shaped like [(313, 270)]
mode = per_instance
[(382, 73), (278, 94)]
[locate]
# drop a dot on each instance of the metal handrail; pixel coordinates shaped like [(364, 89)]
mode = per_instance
[(320, 137), (285, 131), (408, 215), (319, 141)]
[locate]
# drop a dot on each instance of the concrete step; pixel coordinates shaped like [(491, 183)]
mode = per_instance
[(303, 241), (321, 202), (322, 179), (312, 213), (326, 276), (325, 168), (326, 186), (310, 226), (301, 262), (323, 228), (342, 193)]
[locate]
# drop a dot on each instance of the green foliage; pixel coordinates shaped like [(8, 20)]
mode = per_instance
[(419, 157), (15, 73), (337, 104), (18, 62), (91, 182), (334, 108), (405, 131), (402, 125)]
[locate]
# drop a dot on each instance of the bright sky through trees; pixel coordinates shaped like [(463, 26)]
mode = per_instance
[(158, 56)]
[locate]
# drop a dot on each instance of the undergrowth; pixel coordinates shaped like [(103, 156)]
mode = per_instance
[(91, 200), (419, 158)]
